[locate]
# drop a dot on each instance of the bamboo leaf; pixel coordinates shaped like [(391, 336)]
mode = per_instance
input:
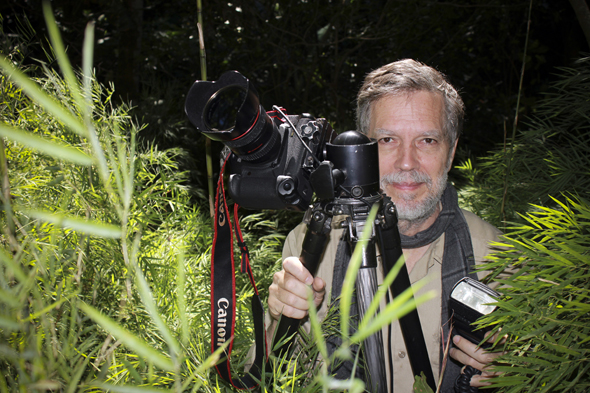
[(45, 100), (78, 372), (149, 303), (60, 53), (420, 384), (87, 61), (47, 309), (383, 289), (44, 384), (12, 266), (88, 227), (351, 385), (399, 307), (6, 297), (563, 348), (56, 150), (130, 388), (128, 339), (539, 331), (9, 324), (180, 297), (316, 326)]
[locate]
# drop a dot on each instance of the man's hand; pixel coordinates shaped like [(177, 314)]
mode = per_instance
[(470, 354), (289, 290)]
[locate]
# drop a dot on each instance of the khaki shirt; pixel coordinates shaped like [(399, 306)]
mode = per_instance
[(428, 267)]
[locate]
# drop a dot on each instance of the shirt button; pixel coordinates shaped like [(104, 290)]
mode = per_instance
[(401, 354)]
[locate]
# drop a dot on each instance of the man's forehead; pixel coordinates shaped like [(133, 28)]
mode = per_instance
[(422, 110), (405, 97)]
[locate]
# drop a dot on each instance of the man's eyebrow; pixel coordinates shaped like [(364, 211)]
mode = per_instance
[(382, 131), (433, 132), (437, 133)]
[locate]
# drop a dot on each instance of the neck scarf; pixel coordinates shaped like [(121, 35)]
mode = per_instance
[(458, 262)]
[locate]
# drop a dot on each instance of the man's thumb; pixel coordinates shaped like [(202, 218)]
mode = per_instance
[(319, 285)]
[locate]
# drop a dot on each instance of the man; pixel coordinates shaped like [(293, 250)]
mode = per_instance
[(416, 117)]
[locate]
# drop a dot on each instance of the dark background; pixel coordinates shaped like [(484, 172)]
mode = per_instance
[(311, 56)]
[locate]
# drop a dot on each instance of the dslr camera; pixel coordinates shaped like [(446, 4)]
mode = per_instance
[(272, 154)]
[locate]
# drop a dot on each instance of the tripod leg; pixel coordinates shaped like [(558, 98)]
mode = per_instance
[(366, 287)]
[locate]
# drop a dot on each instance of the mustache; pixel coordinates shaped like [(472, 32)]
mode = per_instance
[(412, 176)]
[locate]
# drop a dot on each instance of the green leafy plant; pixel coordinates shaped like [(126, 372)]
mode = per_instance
[(547, 158), (545, 306), (545, 309), (93, 233), (104, 255)]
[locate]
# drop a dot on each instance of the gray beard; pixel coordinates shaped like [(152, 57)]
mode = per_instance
[(418, 212)]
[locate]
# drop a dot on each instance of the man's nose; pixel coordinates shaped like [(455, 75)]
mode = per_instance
[(407, 159)]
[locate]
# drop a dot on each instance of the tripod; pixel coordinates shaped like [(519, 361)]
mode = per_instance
[(348, 184)]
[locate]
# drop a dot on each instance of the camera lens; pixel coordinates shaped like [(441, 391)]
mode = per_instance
[(229, 111), (222, 109)]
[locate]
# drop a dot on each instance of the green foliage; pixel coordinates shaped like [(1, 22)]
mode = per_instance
[(549, 158), (103, 260), (545, 310), (420, 384), (539, 182)]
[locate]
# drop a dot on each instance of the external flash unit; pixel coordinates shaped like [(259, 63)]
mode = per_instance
[(470, 300)]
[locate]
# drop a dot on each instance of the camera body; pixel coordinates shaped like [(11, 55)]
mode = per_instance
[(272, 154), (282, 183)]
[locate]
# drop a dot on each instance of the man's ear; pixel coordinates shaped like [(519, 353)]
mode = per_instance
[(452, 155)]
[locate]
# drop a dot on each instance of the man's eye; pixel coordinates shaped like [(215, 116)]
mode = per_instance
[(429, 141), (386, 140)]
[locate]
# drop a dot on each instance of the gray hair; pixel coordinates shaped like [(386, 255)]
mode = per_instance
[(404, 77)]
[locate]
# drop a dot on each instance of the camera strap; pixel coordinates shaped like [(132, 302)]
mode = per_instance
[(223, 293)]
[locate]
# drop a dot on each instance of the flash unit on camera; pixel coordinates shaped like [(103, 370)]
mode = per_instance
[(470, 300)]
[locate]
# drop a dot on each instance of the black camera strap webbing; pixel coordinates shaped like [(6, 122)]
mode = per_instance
[(223, 293), (391, 250)]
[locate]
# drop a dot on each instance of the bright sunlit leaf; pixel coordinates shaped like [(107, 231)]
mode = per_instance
[(51, 148), (88, 227), (35, 92), (129, 339)]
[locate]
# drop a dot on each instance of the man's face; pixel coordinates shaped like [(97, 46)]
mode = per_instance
[(414, 154)]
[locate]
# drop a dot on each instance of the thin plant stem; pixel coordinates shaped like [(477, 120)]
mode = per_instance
[(509, 157), (11, 231), (203, 61)]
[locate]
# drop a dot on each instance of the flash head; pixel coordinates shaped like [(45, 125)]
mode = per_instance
[(470, 300)]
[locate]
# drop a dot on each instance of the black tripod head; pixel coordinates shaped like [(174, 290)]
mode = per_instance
[(351, 168)]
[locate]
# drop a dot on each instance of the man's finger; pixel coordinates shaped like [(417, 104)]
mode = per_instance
[(319, 285), (465, 359), (480, 355), (295, 294), (491, 338), (484, 379), (286, 310), (293, 266), (284, 302)]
